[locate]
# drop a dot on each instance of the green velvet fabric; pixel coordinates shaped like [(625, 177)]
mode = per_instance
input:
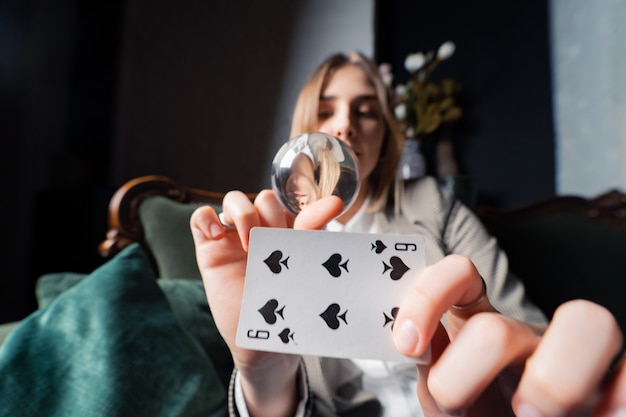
[(50, 286), (167, 234), (6, 329), (117, 344), (565, 256)]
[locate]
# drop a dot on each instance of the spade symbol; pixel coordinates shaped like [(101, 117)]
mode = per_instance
[(285, 335), (275, 260), (397, 266), (269, 312), (334, 265), (331, 316), (378, 246), (392, 319)]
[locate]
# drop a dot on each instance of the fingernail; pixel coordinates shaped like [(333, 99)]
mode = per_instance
[(527, 410), (407, 337), (216, 230)]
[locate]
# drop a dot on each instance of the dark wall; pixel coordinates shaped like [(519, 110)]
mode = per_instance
[(57, 91), (505, 140), (199, 86)]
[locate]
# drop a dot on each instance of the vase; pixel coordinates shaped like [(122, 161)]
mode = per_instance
[(412, 164)]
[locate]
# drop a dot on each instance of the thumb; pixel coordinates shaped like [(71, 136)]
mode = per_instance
[(319, 213)]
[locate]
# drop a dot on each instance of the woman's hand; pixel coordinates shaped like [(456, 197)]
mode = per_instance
[(268, 379), (487, 364)]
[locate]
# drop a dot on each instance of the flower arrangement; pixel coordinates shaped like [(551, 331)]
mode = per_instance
[(420, 105)]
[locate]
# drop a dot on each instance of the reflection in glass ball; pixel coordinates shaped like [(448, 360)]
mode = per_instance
[(311, 166)]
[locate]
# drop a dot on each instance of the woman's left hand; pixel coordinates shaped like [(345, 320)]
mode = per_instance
[(487, 364)]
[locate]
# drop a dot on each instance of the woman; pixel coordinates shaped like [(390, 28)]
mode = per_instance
[(491, 341)]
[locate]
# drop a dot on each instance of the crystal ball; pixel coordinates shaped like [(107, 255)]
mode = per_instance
[(311, 166)]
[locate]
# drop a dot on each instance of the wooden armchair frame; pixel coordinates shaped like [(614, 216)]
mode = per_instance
[(608, 208), (124, 225)]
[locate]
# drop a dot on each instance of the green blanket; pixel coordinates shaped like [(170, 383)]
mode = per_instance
[(117, 343)]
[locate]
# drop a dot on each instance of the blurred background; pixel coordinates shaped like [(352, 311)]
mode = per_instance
[(93, 94)]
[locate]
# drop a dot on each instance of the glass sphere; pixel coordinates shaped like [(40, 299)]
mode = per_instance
[(311, 166)]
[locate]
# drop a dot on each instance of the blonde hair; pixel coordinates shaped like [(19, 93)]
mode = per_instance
[(305, 118), (329, 172)]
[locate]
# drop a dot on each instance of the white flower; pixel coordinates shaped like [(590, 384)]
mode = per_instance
[(386, 74), (446, 50), (384, 68), (387, 79), (400, 111), (414, 62), (400, 90)]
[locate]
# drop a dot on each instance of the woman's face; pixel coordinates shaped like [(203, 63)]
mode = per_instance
[(349, 109)]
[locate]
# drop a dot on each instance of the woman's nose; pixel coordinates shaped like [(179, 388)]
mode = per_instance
[(344, 129)]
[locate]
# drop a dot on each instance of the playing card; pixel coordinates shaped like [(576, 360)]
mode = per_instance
[(330, 294)]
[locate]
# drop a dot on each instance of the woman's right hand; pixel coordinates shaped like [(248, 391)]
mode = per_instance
[(221, 253)]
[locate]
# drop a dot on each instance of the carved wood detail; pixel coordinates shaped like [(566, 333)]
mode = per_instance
[(124, 225)]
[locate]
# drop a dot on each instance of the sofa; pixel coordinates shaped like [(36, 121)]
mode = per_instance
[(147, 301)]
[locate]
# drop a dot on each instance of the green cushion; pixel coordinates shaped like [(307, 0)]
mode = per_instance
[(186, 298), (565, 256), (111, 345), (168, 235), (50, 286), (6, 329)]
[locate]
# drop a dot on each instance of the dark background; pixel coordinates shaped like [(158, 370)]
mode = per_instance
[(93, 94), (505, 139)]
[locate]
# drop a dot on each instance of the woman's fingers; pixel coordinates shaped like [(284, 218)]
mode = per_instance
[(207, 231), (271, 213), (488, 344), (316, 215), (483, 342), (573, 358), (221, 261), (267, 211), (239, 210), (205, 225), (451, 281), (563, 369)]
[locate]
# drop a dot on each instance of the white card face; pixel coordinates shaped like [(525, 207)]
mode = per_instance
[(331, 294)]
